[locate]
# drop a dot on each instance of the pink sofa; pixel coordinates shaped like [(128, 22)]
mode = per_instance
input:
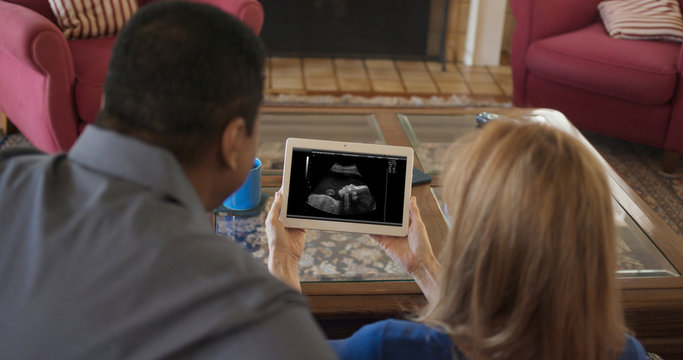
[(562, 58), (50, 88)]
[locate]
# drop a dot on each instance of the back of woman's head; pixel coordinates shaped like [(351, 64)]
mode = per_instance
[(529, 266)]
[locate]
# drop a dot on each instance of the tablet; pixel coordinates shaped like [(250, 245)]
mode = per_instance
[(344, 186)]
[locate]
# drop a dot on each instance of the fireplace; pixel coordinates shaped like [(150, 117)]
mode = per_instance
[(353, 28)]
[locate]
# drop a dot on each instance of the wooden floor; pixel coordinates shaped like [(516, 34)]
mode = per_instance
[(4, 123), (385, 77)]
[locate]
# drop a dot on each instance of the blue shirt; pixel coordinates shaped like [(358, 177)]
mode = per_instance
[(401, 339), (107, 253)]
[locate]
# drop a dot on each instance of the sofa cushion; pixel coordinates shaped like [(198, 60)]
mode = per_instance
[(589, 59), (91, 61), (81, 19)]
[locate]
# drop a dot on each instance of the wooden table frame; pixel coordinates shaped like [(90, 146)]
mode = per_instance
[(653, 306)]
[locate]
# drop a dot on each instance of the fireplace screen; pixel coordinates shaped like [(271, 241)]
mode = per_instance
[(346, 27)]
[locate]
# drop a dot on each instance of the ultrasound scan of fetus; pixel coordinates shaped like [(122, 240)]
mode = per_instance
[(342, 192)]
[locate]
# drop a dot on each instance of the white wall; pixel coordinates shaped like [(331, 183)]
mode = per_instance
[(485, 29)]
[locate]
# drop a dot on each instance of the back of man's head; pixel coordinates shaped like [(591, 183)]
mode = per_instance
[(179, 73)]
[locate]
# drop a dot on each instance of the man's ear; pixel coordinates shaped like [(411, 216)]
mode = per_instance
[(232, 142)]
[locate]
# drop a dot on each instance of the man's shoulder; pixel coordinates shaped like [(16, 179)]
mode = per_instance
[(10, 154), (22, 163), (18, 161)]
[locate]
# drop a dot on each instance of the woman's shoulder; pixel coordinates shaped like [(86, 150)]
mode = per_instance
[(403, 339), (405, 329), (633, 350), (397, 339)]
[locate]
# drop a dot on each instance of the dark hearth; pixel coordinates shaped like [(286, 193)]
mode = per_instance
[(370, 28)]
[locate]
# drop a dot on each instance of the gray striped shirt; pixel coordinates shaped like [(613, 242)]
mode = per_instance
[(107, 253)]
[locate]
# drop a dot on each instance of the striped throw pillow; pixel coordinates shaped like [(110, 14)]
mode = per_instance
[(642, 19), (84, 19)]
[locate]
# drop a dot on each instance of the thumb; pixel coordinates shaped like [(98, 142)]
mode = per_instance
[(274, 213), (415, 217)]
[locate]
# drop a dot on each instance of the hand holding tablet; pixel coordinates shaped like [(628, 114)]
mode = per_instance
[(350, 187)]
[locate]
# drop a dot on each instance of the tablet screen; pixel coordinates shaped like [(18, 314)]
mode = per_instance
[(347, 186)]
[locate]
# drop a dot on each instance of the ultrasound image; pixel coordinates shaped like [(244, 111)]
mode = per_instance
[(342, 192), (349, 187)]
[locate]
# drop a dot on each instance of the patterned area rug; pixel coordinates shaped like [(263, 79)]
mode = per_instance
[(640, 166), (14, 140), (407, 101)]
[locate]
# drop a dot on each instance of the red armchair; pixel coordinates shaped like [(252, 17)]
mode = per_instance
[(562, 58), (51, 88)]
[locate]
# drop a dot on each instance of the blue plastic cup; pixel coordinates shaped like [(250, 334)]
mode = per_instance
[(248, 196)]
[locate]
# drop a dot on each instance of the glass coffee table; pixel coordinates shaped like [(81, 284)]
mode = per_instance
[(329, 257), (431, 136), (348, 276), (277, 127)]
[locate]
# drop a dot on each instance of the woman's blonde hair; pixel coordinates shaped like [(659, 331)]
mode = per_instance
[(529, 264)]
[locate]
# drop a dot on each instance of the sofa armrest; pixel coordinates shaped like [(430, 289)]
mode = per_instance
[(538, 19), (674, 135), (679, 62), (37, 75), (30, 38), (249, 11), (543, 18)]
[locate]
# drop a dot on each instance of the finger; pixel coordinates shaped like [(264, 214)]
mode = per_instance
[(384, 239), (300, 230), (415, 210), (274, 212), (377, 238), (415, 216), (381, 240)]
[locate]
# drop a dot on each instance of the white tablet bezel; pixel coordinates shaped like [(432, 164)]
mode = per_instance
[(345, 226)]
